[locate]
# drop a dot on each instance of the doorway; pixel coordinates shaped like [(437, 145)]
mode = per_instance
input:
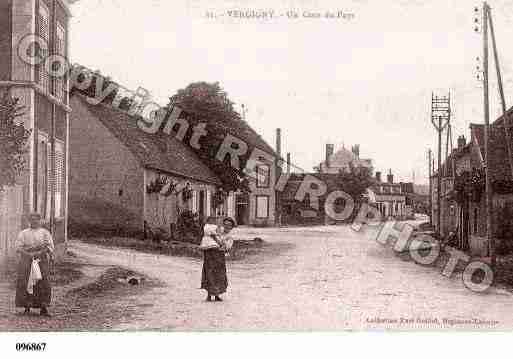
[(242, 208)]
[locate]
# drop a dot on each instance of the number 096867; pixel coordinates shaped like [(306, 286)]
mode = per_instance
[(30, 347)]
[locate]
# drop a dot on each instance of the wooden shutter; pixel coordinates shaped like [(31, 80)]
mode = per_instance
[(60, 49), (43, 29), (59, 179)]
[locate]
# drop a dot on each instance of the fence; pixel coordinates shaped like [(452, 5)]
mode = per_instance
[(11, 210)]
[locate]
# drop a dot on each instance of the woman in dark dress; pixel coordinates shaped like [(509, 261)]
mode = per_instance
[(34, 243), (214, 279)]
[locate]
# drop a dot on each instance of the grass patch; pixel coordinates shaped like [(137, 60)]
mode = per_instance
[(240, 250)]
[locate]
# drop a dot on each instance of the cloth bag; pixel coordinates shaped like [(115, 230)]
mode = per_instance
[(207, 242), (34, 276)]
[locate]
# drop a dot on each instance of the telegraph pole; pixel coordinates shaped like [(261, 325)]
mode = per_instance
[(505, 118), (430, 190), (440, 117), (486, 103)]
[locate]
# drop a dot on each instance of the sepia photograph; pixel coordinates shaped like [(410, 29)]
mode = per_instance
[(237, 166)]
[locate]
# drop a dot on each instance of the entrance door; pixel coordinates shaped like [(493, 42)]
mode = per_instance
[(242, 215), (465, 225)]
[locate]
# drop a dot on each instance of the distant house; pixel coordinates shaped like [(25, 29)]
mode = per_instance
[(342, 160), (390, 198), (115, 168), (296, 212)]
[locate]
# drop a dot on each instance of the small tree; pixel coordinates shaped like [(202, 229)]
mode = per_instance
[(354, 182), (13, 140)]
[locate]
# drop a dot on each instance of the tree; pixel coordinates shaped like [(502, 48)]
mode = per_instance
[(355, 182), (13, 140), (209, 103)]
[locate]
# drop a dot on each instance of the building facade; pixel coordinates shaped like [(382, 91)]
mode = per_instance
[(389, 198), (342, 160), (123, 178), (43, 184), (463, 197)]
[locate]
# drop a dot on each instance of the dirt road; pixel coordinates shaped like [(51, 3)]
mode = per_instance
[(332, 278)]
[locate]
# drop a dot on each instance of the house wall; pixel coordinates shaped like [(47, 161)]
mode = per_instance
[(23, 24), (161, 211), (103, 174), (17, 20), (264, 192), (5, 39)]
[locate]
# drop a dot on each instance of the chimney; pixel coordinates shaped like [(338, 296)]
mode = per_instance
[(390, 177), (330, 148), (356, 151), (278, 142), (378, 177), (288, 162), (462, 141)]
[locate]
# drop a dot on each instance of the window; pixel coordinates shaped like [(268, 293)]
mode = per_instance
[(262, 206), (43, 29), (42, 175), (45, 184), (476, 212), (60, 49), (263, 176), (194, 208)]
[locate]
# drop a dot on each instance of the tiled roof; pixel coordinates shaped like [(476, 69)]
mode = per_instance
[(159, 152)]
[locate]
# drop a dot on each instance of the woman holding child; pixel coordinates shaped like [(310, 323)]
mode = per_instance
[(215, 244)]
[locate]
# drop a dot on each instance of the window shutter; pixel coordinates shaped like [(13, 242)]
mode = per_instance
[(43, 27), (50, 182), (60, 49), (59, 179)]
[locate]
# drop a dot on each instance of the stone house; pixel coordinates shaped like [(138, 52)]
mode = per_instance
[(115, 168), (43, 185), (390, 197), (463, 192)]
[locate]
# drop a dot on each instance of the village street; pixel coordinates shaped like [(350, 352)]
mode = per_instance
[(332, 278)]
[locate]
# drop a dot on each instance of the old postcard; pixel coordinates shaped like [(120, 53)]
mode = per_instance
[(236, 165)]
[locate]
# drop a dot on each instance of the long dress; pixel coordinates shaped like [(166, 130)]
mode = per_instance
[(34, 240), (213, 278)]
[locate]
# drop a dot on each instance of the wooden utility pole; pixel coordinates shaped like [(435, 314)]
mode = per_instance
[(505, 117), (486, 103), (430, 190), (440, 117), (439, 179)]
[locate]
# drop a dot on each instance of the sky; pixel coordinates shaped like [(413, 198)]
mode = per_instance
[(366, 80)]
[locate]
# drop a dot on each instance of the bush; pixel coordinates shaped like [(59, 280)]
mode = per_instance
[(189, 227)]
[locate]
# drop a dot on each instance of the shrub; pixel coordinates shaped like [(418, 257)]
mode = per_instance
[(189, 227)]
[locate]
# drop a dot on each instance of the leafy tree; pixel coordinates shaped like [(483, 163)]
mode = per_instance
[(209, 103), (13, 140), (355, 182)]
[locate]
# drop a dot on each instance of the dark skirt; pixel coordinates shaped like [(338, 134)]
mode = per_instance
[(213, 278), (42, 289)]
